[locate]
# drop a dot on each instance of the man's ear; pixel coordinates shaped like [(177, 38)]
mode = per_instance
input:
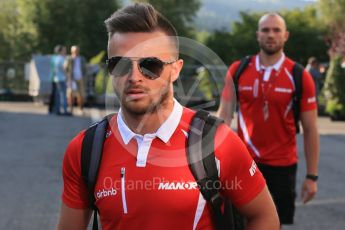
[(287, 34), (176, 69)]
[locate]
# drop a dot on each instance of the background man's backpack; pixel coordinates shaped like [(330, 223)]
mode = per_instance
[(201, 159), (297, 74)]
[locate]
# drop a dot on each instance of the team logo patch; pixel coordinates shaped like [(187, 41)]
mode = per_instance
[(311, 99), (108, 134), (178, 186), (253, 168), (283, 90), (245, 88), (105, 193), (256, 88)]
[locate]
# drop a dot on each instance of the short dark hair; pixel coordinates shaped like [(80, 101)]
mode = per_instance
[(312, 61), (58, 48), (139, 17)]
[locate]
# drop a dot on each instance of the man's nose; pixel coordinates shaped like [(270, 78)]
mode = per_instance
[(135, 74), (270, 33)]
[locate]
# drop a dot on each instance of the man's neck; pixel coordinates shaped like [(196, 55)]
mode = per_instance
[(269, 60), (149, 122)]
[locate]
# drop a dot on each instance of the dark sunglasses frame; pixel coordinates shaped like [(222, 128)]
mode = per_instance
[(149, 67)]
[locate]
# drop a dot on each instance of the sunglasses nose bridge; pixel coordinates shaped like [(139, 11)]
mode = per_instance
[(135, 73)]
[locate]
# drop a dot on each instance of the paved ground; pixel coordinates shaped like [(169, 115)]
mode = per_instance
[(31, 150)]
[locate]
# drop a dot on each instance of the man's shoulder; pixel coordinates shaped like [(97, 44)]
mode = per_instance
[(250, 62), (289, 63), (78, 139)]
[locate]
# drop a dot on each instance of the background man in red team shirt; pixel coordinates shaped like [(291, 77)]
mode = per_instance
[(147, 140), (265, 117)]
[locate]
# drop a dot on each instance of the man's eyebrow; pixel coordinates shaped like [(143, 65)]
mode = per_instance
[(271, 28)]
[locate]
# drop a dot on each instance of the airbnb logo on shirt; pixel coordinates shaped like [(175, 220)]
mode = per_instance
[(105, 193)]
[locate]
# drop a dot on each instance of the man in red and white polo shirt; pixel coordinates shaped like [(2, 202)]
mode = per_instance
[(265, 117), (144, 181)]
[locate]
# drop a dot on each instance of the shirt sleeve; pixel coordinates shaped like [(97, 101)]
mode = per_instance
[(75, 193), (228, 90), (240, 177), (308, 100)]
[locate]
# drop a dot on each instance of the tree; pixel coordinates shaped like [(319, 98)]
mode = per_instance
[(18, 34), (334, 90), (332, 12), (36, 26), (72, 22), (306, 37), (180, 12), (241, 41)]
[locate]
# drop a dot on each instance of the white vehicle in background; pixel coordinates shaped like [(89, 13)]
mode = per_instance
[(37, 72)]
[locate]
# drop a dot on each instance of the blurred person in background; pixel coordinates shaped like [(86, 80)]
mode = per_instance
[(313, 68), (58, 76), (75, 69)]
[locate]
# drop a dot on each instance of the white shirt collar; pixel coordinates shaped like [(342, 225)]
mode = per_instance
[(276, 66), (164, 132)]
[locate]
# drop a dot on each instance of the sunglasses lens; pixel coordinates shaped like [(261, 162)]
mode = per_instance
[(119, 66), (151, 67)]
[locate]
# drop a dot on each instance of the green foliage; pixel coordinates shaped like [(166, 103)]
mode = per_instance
[(334, 88), (205, 85), (202, 36), (179, 12), (306, 37), (101, 75), (332, 11), (100, 82), (98, 59), (72, 22), (17, 32), (36, 26), (334, 18), (220, 43)]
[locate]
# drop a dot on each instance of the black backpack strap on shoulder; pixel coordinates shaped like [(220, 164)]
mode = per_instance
[(91, 154), (297, 73), (201, 158), (243, 65)]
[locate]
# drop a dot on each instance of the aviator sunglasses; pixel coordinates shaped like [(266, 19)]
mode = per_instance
[(150, 67)]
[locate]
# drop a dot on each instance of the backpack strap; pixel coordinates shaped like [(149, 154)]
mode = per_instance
[(297, 73), (91, 154), (242, 66), (201, 159)]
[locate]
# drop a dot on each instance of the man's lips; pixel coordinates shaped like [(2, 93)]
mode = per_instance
[(135, 93), (270, 42)]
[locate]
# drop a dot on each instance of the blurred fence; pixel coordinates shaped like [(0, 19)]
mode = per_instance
[(12, 79), (197, 85)]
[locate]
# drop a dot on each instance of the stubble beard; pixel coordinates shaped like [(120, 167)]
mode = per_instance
[(271, 51), (150, 107)]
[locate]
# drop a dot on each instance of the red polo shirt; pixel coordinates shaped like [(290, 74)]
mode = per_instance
[(157, 189), (265, 118)]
